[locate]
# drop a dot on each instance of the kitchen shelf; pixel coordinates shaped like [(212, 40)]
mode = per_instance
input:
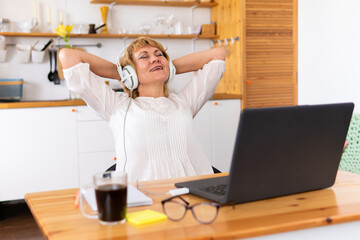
[(221, 96), (192, 36), (158, 3)]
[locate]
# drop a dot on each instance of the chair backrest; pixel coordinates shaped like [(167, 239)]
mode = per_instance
[(113, 168), (350, 160)]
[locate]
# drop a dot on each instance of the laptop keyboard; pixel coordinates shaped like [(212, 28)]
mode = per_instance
[(215, 189)]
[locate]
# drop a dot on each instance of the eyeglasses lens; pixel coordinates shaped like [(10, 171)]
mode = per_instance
[(174, 210), (205, 213)]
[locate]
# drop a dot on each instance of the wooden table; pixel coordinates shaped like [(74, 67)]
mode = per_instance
[(58, 219)]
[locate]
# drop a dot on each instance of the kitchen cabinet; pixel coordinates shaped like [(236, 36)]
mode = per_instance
[(216, 125), (96, 149), (225, 115), (38, 151), (51, 148), (203, 129), (94, 136)]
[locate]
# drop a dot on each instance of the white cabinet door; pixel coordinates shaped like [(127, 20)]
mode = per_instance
[(203, 128), (216, 126), (96, 145), (225, 119), (94, 134), (84, 113), (38, 151), (91, 163)]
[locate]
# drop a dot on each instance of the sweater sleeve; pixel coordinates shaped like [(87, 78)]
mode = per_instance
[(93, 90), (202, 87)]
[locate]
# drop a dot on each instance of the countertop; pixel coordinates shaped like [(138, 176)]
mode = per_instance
[(80, 102), (35, 104)]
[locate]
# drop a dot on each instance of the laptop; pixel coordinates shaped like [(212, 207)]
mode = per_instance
[(280, 151)]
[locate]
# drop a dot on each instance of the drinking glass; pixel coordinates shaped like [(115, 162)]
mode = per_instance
[(111, 197)]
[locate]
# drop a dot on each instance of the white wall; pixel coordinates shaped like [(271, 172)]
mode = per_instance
[(329, 50), (37, 87), (329, 46)]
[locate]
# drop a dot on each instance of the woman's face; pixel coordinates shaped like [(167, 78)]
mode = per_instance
[(151, 65)]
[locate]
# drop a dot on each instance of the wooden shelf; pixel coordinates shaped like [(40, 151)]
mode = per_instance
[(165, 3), (218, 96), (53, 35)]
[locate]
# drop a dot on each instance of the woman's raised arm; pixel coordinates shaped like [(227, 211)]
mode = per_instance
[(195, 61), (99, 66)]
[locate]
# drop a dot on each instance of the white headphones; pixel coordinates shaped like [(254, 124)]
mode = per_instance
[(128, 74)]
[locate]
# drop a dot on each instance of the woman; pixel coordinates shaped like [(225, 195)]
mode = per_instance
[(154, 133)]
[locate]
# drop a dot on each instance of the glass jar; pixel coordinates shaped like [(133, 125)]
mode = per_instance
[(4, 25)]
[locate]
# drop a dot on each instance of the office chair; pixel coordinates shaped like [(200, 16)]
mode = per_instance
[(113, 168), (350, 159)]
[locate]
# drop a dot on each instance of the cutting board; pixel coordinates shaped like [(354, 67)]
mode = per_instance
[(59, 67)]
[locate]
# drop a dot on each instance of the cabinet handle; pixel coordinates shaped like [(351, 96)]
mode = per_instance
[(73, 110), (248, 82), (215, 103), (114, 158)]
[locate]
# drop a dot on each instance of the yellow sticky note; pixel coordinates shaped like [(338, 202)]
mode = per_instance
[(145, 216)]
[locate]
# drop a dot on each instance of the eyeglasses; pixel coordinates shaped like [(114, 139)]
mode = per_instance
[(176, 207)]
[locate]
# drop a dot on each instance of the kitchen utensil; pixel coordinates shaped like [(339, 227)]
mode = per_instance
[(56, 74), (50, 75), (47, 44), (32, 47), (92, 28)]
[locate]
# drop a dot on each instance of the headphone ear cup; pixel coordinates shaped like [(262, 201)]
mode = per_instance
[(129, 77), (172, 71)]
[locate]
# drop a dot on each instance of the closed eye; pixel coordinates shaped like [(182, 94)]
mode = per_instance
[(158, 53)]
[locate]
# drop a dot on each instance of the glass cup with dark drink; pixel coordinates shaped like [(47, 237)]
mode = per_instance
[(110, 190)]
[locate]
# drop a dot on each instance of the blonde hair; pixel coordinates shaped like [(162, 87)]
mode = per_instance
[(127, 59)]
